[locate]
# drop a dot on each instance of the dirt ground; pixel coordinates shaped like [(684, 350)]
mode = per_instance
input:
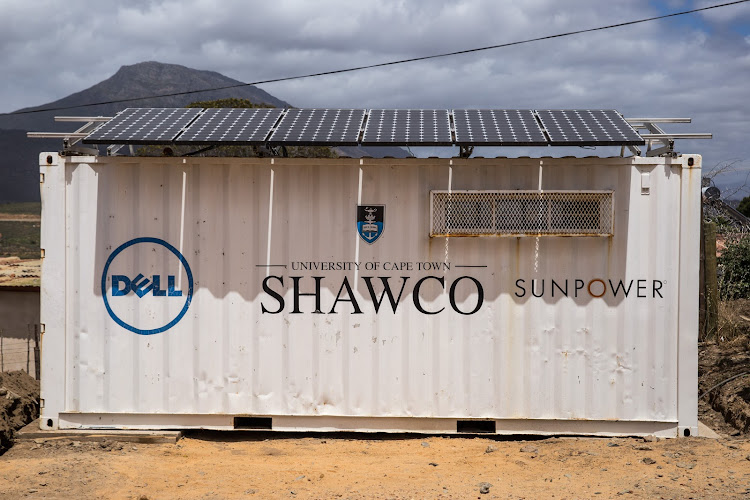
[(19, 217), (17, 272), (19, 404), (727, 408), (221, 466)]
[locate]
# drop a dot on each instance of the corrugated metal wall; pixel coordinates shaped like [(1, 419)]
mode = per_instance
[(548, 357)]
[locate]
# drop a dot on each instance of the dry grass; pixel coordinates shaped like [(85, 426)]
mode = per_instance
[(734, 319)]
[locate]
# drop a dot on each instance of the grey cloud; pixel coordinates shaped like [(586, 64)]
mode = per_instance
[(729, 14), (51, 49)]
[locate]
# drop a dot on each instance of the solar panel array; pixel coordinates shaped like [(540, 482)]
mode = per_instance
[(238, 126), (408, 127), (589, 127), (375, 127), (144, 126), (498, 127), (310, 127)]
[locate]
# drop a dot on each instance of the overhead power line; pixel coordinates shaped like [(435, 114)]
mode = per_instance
[(384, 64)]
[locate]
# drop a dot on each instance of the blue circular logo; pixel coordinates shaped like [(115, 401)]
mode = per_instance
[(142, 286)]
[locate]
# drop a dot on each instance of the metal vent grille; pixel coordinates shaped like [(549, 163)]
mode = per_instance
[(522, 213)]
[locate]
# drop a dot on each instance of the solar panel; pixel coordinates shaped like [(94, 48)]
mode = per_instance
[(143, 126), (497, 127), (396, 127), (317, 127), (238, 126), (588, 128), (408, 127)]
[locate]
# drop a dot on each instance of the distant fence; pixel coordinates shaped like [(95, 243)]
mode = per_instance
[(20, 330), (21, 353)]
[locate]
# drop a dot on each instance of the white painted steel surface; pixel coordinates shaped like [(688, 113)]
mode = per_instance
[(523, 361)]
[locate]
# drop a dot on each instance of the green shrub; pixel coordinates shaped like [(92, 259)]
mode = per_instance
[(734, 282), (231, 102), (744, 206)]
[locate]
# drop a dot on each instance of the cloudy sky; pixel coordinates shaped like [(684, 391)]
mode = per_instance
[(694, 66)]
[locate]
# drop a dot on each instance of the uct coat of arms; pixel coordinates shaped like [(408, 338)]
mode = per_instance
[(370, 222)]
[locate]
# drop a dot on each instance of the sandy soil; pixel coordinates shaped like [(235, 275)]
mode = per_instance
[(726, 364), (19, 217), (220, 466), (17, 272)]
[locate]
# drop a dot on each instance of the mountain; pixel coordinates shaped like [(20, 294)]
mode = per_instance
[(19, 169), (142, 79), (19, 165)]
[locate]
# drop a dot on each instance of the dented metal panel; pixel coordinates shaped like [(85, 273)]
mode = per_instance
[(190, 290)]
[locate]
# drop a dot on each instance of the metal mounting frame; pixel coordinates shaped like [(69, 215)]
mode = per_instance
[(658, 137), (466, 151), (657, 141), (71, 139)]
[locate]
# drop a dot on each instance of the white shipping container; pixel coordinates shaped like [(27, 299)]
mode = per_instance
[(549, 296)]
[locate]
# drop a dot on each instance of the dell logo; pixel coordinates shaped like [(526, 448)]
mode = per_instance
[(122, 285), (147, 286)]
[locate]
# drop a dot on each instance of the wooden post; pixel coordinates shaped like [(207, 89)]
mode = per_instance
[(702, 283), (2, 356), (28, 348), (712, 282), (37, 361)]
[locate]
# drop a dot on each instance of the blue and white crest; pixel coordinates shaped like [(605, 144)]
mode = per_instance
[(370, 222)]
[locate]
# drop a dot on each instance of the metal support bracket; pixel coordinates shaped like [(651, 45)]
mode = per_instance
[(633, 149), (112, 149), (659, 142), (466, 151), (71, 139)]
